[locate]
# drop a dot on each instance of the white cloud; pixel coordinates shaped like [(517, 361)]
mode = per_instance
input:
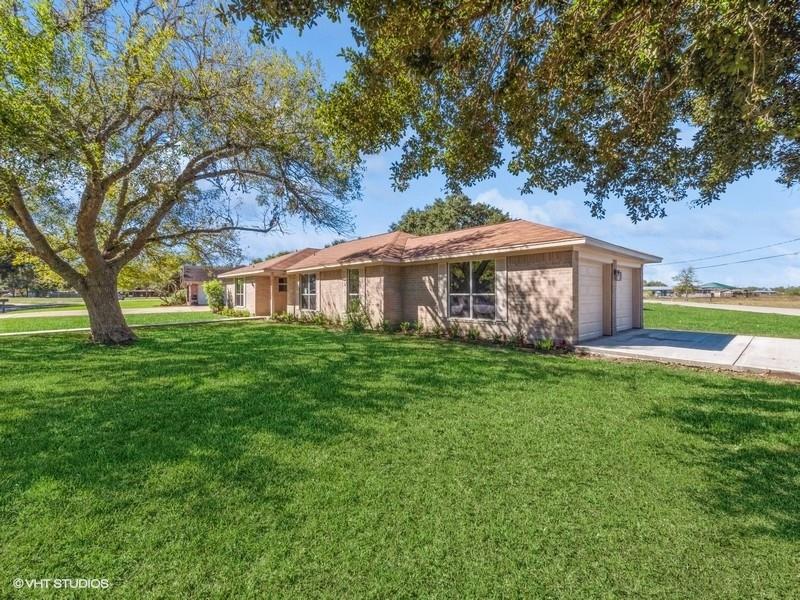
[(558, 212)]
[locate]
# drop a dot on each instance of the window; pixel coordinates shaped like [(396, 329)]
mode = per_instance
[(283, 284), (471, 289), (308, 292), (353, 296), (238, 291)]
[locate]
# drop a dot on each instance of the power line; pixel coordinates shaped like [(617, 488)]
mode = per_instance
[(738, 262), (679, 262)]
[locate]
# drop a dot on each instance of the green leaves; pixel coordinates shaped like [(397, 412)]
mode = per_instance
[(456, 211), (584, 91)]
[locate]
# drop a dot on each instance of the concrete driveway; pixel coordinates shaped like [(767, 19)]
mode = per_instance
[(736, 352)]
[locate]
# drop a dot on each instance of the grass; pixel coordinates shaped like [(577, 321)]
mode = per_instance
[(664, 316), (43, 323), (77, 303), (777, 301), (255, 460)]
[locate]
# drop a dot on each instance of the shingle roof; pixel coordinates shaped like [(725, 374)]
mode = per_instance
[(399, 246), (276, 263), (486, 237), (382, 247)]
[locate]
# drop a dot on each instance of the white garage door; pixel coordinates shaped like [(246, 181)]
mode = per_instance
[(625, 300), (590, 300)]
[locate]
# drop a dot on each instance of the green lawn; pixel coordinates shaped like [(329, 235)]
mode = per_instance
[(43, 323), (663, 316), (254, 460)]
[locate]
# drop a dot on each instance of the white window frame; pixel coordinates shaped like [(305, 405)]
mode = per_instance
[(471, 294), (307, 296), (238, 281), (351, 296)]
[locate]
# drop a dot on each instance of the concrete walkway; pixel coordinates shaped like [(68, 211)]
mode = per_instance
[(80, 312), (772, 310), (141, 326), (718, 350)]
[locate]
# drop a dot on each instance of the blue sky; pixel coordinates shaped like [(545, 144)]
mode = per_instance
[(753, 212)]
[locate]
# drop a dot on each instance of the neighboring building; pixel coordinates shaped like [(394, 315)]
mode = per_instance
[(510, 278), (714, 288), (192, 279)]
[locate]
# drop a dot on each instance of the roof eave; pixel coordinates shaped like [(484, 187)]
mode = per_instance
[(643, 256)]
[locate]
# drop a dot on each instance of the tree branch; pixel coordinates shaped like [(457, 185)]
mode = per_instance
[(15, 208)]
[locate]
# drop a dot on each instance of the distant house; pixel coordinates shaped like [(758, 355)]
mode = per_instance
[(714, 288), (514, 278), (192, 279), (659, 291)]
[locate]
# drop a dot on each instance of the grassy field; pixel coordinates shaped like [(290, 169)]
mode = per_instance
[(256, 460), (664, 316), (777, 301), (43, 323)]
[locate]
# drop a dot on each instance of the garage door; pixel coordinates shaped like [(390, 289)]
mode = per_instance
[(625, 300), (590, 300)]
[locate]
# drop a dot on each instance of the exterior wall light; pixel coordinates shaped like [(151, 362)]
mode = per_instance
[(617, 275)]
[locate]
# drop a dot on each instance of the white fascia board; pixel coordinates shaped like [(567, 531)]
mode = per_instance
[(642, 256)]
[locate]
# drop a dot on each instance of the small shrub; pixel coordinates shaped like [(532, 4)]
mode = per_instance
[(421, 331), (497, 338), (437, 331), (473, 334), (234, 312), (545, 344), (284, 317), (356, 322), (215, 293), (176, 298), (320, 319), (385, 326), (520, 338), (407, 327), (453, 330)]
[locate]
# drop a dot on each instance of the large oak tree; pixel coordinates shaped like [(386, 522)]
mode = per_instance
[(649, 101), (130, 124)]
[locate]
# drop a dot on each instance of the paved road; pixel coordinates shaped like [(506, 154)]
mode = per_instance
[(79, 312), (794, 312), (735, 352)]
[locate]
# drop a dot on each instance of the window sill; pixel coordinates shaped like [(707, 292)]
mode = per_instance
[(473, 320)]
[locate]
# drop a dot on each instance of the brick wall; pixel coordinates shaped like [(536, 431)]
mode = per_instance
[(332, 293), (536, 291)]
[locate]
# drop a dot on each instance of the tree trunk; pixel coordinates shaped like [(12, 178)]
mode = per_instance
[(105, 314)]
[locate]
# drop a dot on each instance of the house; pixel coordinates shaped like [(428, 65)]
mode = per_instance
[(714, 288), (658, 291), (511, 278), (192, 278)]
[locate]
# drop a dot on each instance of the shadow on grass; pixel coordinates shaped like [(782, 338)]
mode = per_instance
[(236, 405), (231, 406), (748, 436)]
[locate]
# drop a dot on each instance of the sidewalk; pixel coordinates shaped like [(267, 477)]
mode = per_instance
[(80, 312), (716, 350)]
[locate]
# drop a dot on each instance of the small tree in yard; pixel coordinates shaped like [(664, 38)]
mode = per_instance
[(685, 281), (127, 126), (215, 292)]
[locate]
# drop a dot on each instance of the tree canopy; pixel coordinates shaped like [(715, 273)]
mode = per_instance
[(649, 101), (456, 211), (136, 124)]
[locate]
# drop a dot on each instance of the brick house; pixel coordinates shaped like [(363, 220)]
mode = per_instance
[(508, 278)]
